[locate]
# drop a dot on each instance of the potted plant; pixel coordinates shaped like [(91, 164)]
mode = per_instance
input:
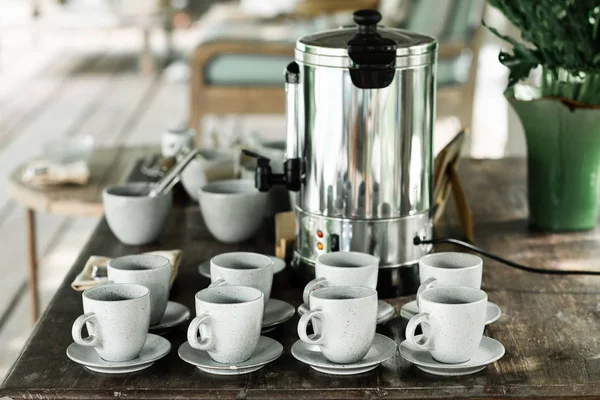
[(561, 115)]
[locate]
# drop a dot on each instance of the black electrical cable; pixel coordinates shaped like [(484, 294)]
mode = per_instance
[(418, 241)]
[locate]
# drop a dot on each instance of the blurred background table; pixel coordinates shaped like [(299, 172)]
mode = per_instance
[(108, 166)]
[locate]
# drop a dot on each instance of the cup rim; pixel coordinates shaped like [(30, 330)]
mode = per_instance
[(110, 191), (355, 254), (256, 294), (242, 254), (425, 297), (476, 261), (362, 291), (165, 263), (140, 291), (205, 189)]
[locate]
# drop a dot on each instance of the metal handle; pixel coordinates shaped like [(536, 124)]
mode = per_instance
[(167, 181)]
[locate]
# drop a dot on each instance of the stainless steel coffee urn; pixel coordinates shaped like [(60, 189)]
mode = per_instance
[(360, 112)]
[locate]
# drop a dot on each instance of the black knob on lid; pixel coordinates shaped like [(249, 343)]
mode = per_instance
[(372, 57), (366, 20)]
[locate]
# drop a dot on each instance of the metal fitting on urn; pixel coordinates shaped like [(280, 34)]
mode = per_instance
[(359, 111)]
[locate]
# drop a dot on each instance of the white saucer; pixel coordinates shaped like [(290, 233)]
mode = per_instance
[(266, 351), (493, 312), (490, 350), (382, 349), (155, 348), (277, 312), (175, 314), (278, 266), (385, 311)]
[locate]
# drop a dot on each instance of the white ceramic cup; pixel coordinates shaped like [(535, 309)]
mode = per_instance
[(133, 217), (173, 141), (344, 320), (232, 209), (452, 319), (150, 270), (243, 269), (229, 321), (117, 316), (449, 269), (344, 268)]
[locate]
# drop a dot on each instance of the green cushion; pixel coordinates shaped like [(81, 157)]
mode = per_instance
[(263, 70)]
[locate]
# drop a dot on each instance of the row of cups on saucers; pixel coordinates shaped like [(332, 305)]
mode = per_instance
[(120, 313), (343, 321), (452, 311)]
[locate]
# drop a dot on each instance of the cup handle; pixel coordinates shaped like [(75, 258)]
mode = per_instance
[(218, 282), (317, 338), (429, 282), (195, 328), (93, 339), (422, 318), (315, 284)]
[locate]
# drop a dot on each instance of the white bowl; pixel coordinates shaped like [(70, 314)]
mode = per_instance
[(233, 209), (133, 218), (208, 166)]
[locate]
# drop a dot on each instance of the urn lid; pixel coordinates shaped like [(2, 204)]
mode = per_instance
[(366, 41)]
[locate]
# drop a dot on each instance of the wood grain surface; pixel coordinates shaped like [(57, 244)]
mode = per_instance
[(550, 324)]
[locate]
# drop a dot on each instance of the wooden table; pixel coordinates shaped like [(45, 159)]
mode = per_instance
[(550, 324), (108, 166)]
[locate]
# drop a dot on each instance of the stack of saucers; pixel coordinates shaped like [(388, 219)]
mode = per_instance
[(453, 311)]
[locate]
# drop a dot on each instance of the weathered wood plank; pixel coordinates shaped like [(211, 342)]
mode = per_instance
[(547, 326)]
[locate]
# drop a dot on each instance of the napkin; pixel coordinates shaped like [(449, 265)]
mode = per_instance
[(45, 172), (84, 279)]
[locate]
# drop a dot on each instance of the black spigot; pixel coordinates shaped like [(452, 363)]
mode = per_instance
[(265, 179)]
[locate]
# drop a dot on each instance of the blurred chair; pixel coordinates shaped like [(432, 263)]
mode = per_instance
[(238, 67)]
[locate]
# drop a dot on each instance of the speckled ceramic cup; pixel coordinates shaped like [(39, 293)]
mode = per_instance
[(117, 316), (134, 218), (233, 210), (228, 322), (344, 268), (449, 269), (344, 320), (243, 269), (150, 270), (452, 319)]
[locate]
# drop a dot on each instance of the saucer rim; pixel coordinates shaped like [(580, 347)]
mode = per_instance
[(231, 372), (116, 371), (450, 372), (405, 314), (181, 320), (121, 364), (231, 366), (441, 366), (345, 372), (291, 312), (358, 364), (202, 272)]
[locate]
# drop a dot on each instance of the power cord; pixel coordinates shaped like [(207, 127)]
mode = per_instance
[(418, 241)]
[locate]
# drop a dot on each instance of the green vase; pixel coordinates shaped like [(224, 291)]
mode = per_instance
[(563, 162)]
